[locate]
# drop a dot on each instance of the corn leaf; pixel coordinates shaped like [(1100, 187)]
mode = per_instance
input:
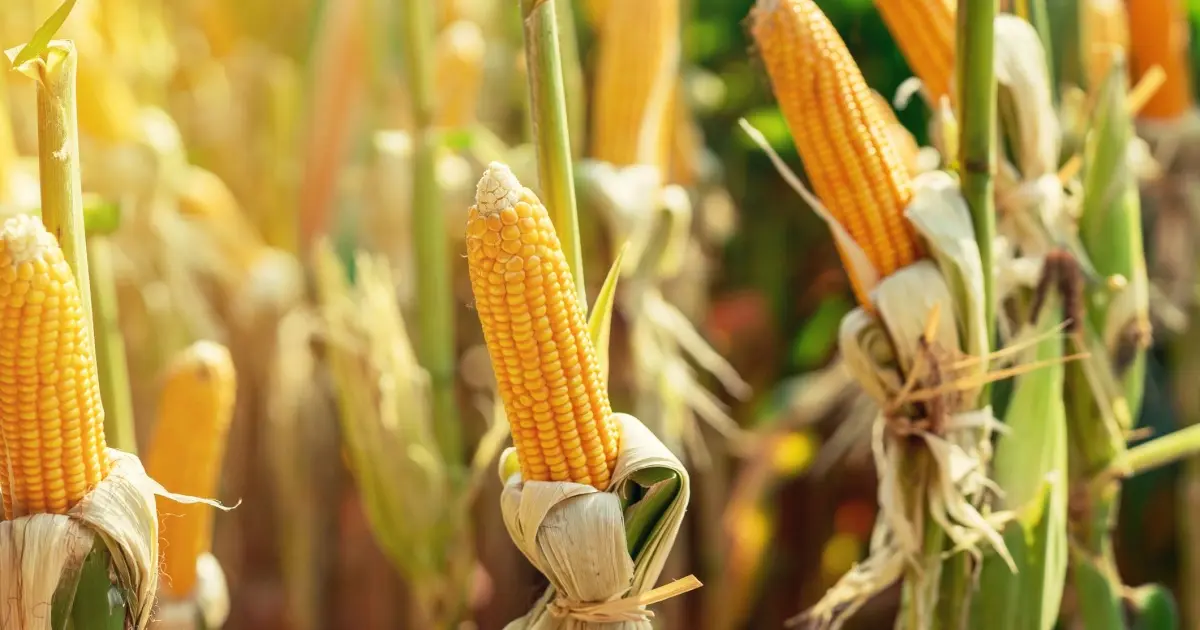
[(1031, 470), (1154, 608), (600, 320), (1103, 608), (41, 37), (656, 489), (86, 598)]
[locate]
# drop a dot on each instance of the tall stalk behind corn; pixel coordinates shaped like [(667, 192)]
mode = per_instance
[(925, 372)]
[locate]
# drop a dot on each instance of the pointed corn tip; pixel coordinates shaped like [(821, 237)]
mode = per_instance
[(497, 189), (26, 238), (208, 353)]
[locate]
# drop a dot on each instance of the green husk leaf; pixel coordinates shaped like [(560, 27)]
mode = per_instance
[(600, 320), (41, 37), (98, 603), (659, 487)]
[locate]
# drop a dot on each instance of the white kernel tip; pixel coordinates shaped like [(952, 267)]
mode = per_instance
[(497, 190), (26, 238)]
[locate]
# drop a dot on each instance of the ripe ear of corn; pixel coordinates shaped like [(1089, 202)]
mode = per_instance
[(546, 367), (52, 449), (636, 74), (1158, 35), (1106, 26), (194, 414), (924, 31), (901, 138), (840, 132), (459, 57)]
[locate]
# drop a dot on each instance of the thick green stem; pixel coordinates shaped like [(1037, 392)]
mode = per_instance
[(548, 105), (111, 364), (435, 292), (58, 156)]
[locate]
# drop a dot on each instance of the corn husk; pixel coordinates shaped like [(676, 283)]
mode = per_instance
[(936, 484), (580, 538), (36, 551)]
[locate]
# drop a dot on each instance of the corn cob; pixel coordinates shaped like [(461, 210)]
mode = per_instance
[(687, 142), (1158, 34), (52, 450), (460, 48), (636, 75), (924, 31), (194, 413), (1107, 30), (840, 133), (901, 138), (537, 337), (594, 11)]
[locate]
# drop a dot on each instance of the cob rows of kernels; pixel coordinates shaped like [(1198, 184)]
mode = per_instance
[(924, 31), (537, 336), (52, 449), (841, 135), (194, 414), (632, 90), (1158, 36)]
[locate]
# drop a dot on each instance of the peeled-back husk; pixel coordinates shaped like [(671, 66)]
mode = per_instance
[(576, 535), (37, 550), (950, 466)]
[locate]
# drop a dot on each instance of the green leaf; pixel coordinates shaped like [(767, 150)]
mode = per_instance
[(1154, 608), (816, 340), (87, 599), (1101, 594), (1031, 470), (41, 37), (657, 488), (600, 320)]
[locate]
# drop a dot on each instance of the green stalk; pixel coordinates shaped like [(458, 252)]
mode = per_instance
[(111, 364), (572, 72), (548, 105), (977, 163), (1064, 17), (435, 318), (53, 70)]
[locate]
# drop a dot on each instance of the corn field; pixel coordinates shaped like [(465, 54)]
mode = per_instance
[(591, 314)]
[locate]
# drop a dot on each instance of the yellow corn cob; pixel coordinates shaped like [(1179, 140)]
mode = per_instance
[(840, 133), (1107, 31), (1158, 33), (537, 336), (194, 413), (460, 49), (52, 450), (594, 11), (686, 140), (924, 31), (635, 77), (902, 139)]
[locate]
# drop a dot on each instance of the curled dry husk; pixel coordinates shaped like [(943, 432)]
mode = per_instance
[(941, 481), (579, 537), (36, 551), (206, 609)]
